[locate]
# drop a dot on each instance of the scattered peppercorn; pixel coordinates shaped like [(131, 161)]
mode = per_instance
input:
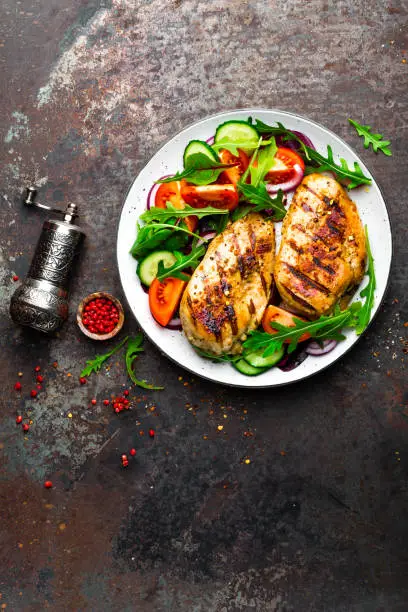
[(124, 457), (93, 402), (37, 369), (40, 378), (19, 419), (100, 316), (26, 427), (17, 386), (82, 381), (106, 402), (132, 452), (33, 393), (15, 278), (125, 463), (48, 484), (126, 392), (39, 386), (151, 433)]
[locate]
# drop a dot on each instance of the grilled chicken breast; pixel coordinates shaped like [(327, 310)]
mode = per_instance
[(228, 292), (322, 255)]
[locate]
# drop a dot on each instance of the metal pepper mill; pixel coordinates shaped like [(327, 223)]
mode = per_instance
[(41, 301)]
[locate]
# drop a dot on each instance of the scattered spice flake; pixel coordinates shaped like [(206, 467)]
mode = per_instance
[(62, 526), (248, 434), (93, 402), (48, 484), (26, 427), (247, 461), (180, 378), (33, 393), (69, 415), (15, 278), (19, 374), (225, 416), (185, 384), (40, 378), (19, 419), (83, 381), (126, 392), (55, 364), (17, 386), (141, 432), (37, 369), (283, 453), (132, 452), (220, 427), (406, 324), (106, 402), (205, 437), (152, 433), (69, 374), (20, 545)]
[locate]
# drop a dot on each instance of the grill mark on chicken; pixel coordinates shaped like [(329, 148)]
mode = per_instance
[(228, 309), (191, 309), (298, 299), (307, 280), (248, 262), (251, 307), (334, 228), (326, 267), (295, 247)]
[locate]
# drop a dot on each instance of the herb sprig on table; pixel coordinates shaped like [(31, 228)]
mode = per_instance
[(375, 140), (134, 347)]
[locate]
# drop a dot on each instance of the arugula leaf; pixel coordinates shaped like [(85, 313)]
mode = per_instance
[(342, 171), (364, 314), (375, 140), (325, 327), (94, 365), (222, 224), (280, 130), (262, 200), (182, 262), (133, 349), (154, 235), (218, 358), (162, 214), (200, 170), (265, 161)]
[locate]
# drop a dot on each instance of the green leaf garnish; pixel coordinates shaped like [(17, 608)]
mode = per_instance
[(218, 358), (233, 147), (375, 140), (162, 214), (260, 197), (265, 161), (133, 349), (342, 171), (182, 262), (364, 314), (200, 170), (94, 365)]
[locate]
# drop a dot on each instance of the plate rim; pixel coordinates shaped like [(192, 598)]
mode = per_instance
[(253, 110)]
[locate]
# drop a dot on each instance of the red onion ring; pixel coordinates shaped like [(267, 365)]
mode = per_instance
[(313, 348), (206, 237), (151, 196), (293, 144), (210, 140), (292, 360), (175, 324), (289, 185)]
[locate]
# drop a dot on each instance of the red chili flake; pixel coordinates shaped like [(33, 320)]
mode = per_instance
[(37, 369), (15, 278), (19, 419), (151, 433), (117, 410), (126, 392), (82, 381), (124, 457), (39, 386), (40, 378), (100, 316), (106, 402), (125, 463), (26, 427), (93, 402), (17, 386), (48, 484), (33, 393), (132, 452)]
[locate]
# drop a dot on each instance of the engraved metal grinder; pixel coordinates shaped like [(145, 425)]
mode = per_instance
[(41, 301)]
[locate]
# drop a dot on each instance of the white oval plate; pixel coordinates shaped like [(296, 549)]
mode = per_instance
[(168, 160)]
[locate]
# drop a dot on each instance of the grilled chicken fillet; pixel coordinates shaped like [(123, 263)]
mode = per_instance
[(322, 255), (228, 292)]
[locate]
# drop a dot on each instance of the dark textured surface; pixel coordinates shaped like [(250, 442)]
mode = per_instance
[(319, 519)]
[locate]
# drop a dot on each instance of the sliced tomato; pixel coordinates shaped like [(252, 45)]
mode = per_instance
[(273, 313), (287, 172), (164, 298), (218, 196), (232, 175), (171, 192)]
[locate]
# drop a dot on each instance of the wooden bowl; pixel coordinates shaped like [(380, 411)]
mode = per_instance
[(94, 296)]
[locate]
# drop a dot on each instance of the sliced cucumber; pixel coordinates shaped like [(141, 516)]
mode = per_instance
[(147, 269), (199, 146), (245, 368), (238, 133), (256, 360)]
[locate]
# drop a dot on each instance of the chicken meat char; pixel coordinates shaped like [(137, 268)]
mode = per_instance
[(229, 291), (322, 255)]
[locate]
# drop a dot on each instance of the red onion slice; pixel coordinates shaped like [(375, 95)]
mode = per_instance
[(292, 360), (293, 144), (289, 185), (206, 237), (175, 324), (151, 196), (210, 140), (313, 348)]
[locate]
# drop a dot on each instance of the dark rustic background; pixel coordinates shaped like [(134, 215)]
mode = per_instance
[(318, 520)]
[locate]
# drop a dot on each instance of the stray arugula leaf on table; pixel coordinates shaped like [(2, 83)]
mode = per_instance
[(364, 314), (94, 365), (133, 349), (375, 140), (199, 170), (182, 262)]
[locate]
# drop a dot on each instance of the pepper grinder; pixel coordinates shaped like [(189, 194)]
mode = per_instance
[(41, 301)]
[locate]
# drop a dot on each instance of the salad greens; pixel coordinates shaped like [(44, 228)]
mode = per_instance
[(182, 262), (342, 171), (259, 200), (375, 140), (162, 214), (199, 170), (368, 291)]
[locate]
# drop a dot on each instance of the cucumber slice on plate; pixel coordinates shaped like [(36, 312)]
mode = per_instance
[(147, 268), (245, 368), (256, 360), (239, 134), (199, 146)]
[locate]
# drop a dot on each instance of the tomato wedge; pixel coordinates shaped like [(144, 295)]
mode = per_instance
[(171, 192), (164, 298), (232, 175), (287, 172), (273, 313), (218, 196)]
